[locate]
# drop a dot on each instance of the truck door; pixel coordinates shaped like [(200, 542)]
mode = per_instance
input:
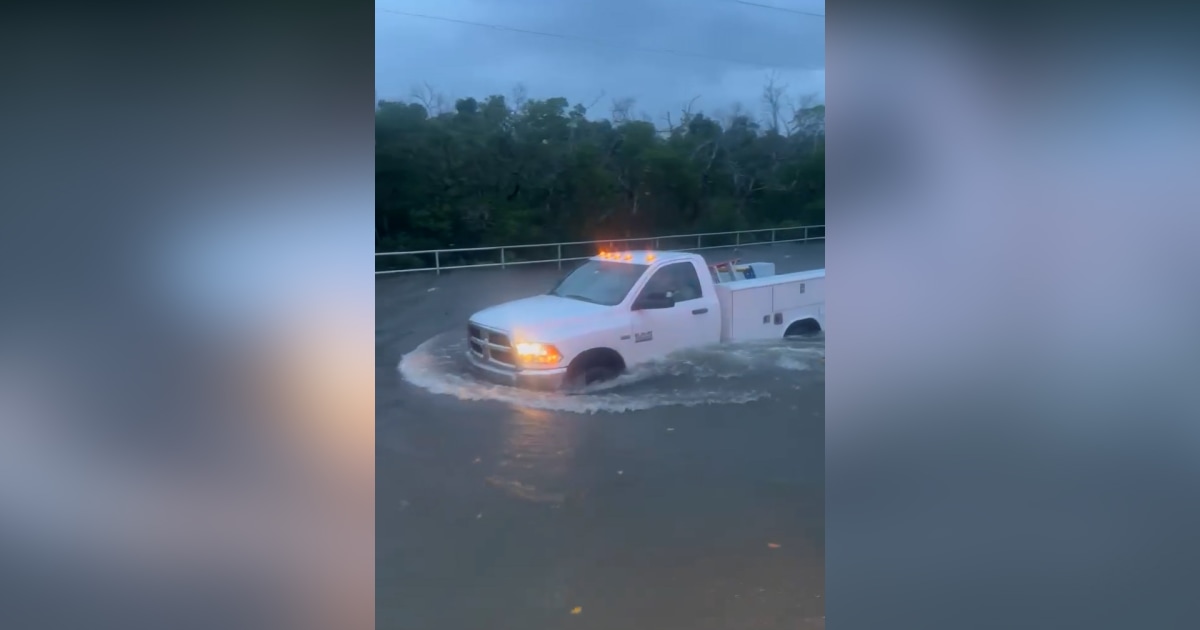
[(695, 320)]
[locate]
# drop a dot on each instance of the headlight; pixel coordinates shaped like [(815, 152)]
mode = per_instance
[(540, 353)]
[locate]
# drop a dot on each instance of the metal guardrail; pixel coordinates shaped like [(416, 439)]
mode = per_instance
[(447, 259)]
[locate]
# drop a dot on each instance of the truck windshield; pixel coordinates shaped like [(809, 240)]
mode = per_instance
[(600, 282)]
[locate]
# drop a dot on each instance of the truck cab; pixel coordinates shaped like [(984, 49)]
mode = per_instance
[(613, 312)]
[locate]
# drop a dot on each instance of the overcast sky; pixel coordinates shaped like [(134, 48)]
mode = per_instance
[(462, 60)]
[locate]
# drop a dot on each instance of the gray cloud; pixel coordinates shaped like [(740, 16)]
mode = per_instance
[(460, 60)]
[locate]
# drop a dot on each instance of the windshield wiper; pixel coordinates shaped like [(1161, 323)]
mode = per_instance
[(580, 297)]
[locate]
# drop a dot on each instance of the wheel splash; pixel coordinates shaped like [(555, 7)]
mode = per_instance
[(719, 374)]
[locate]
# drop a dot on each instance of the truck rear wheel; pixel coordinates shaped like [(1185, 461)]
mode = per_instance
[(803, 328)]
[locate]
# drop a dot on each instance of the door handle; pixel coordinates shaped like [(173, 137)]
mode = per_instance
[(699, 311)]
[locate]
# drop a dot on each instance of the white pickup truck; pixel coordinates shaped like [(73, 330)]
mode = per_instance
[(620, 309)]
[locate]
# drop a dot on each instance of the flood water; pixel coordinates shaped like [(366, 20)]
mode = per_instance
[(713, 375), (685, 495)]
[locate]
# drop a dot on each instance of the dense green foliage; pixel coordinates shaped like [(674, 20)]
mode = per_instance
[(489, 173)]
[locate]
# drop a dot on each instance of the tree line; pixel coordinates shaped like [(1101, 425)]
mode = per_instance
[(505, 171)]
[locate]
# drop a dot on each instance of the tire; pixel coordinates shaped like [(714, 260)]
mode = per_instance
[(598, 374), (803, 328), (591, 375)]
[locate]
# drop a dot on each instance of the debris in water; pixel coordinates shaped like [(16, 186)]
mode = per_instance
[(774, 545), (670, 428), (620, 472), (479, 516), (477, 460), (576, 610)]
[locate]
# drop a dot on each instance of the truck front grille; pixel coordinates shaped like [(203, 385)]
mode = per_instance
[(490, 345)]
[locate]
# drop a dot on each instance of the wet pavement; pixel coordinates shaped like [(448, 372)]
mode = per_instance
[(688, 495)]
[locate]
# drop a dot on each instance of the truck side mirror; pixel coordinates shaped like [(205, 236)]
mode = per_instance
[(653, 302)]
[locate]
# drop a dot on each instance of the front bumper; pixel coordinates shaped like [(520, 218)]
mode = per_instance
[(548, 379)]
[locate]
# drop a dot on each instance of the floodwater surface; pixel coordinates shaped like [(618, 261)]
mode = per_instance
[(685, 495)]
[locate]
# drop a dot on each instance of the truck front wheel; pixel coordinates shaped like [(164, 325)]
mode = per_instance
[(594, 366)]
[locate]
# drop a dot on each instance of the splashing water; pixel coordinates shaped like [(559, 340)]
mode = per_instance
[(718, 374)]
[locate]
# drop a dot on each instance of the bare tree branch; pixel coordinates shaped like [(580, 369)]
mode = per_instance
[(597, 100), (773, 99), (520, 96), (434, 102), (620, 110)]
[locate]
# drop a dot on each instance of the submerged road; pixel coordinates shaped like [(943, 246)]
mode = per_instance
[(691, 498)]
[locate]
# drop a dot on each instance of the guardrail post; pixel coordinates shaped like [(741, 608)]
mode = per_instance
[(560, 256), (698, 236), (737, 239), (656, 247), (806, 234), (437, 263), (772, 236), (503, 264)]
